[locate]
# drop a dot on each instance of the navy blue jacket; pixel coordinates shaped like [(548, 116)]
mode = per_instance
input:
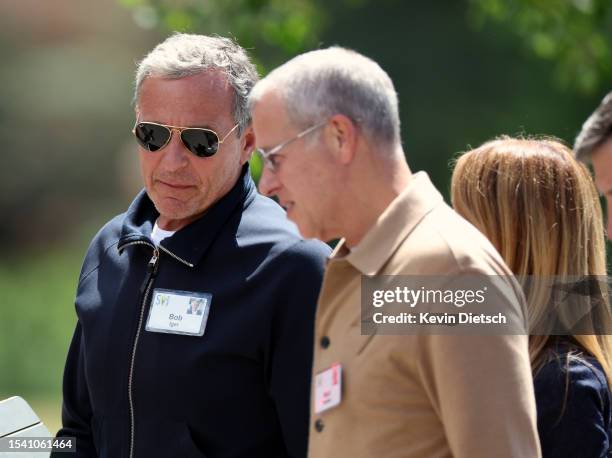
[(574, 408), (240, 390)]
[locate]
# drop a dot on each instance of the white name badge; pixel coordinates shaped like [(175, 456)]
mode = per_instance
[(178, 312), (328, 388)]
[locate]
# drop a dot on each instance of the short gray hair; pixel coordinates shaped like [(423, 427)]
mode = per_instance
[(182, 55), (595, 131), (321, 83)]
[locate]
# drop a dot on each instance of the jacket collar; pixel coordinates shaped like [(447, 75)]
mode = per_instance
[(191, 242), (393, 226)]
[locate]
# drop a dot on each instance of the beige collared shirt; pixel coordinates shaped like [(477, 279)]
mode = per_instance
[(426, 396)]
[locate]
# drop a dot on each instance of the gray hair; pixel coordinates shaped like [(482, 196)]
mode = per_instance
[(595, 131), (182, 55), (321, 83)]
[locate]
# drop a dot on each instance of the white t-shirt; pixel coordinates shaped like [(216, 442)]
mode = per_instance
[(158, 234)]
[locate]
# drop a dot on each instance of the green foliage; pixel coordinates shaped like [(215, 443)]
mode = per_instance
[(276, 29), (575, 34), (36, 321), (256, 167)]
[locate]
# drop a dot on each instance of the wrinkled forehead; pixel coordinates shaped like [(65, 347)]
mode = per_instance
[(271, 121), (210, 79), (186, 101)]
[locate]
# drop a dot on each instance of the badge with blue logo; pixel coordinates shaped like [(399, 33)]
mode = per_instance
[(178, 312)]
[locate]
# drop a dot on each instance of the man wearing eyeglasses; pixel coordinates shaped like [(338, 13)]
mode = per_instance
[(327, 128), (198, 234)]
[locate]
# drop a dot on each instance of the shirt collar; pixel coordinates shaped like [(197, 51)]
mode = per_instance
[(191, 242), (392, 227)]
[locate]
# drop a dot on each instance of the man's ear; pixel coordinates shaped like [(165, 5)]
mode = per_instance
[(341, 135), (247, 145)]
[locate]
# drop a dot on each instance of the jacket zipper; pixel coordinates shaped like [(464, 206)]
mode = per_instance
[(144, 292), (160, 248), (145, 289), (170, 253)]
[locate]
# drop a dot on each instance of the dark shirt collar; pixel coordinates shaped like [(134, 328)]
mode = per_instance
[(191, 242)]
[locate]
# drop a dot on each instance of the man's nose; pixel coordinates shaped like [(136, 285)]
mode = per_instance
[(175, 153), (268, 182)]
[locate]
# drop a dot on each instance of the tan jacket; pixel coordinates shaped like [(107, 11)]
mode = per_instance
[(428, 396)]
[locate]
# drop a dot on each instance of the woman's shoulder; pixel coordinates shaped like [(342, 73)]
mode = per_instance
[(571, 369), (574, 406)]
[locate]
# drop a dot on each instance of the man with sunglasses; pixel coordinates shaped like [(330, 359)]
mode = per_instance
[(199, 233), (327, 127)]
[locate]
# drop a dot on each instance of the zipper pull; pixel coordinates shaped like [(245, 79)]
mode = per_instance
[(152, 266), (151, 271)]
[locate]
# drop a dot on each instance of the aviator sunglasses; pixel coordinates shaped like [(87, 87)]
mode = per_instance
[(201, 142)]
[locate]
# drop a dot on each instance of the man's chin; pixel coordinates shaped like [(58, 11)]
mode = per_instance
[(305, 230), (175, 217), (171, 208)]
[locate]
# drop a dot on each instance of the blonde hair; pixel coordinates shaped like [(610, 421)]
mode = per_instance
[(540, 209)]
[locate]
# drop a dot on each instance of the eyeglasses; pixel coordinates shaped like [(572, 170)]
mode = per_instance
[(201, 142), (269, 156)]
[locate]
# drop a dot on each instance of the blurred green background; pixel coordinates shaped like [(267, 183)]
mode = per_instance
[(465, 71)]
